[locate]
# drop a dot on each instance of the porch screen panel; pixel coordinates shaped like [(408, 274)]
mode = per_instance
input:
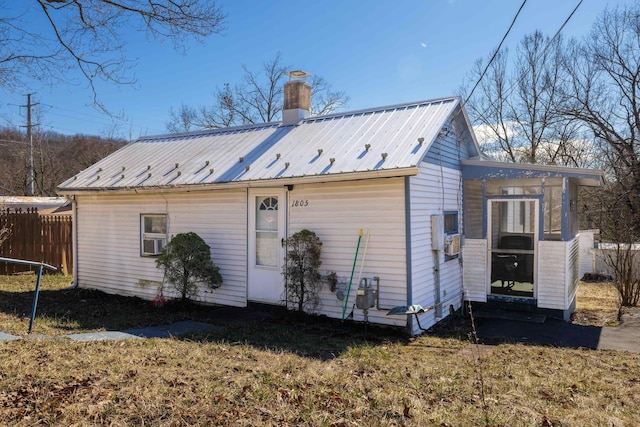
[(473, 209), (553, 212), (267, 231)]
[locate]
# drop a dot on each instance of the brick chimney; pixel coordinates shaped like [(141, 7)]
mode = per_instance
[(297, 98)]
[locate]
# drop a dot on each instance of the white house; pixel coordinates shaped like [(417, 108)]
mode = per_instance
[(395, 172)]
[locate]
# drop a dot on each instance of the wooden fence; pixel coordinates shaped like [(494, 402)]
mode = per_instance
[(35, 237)]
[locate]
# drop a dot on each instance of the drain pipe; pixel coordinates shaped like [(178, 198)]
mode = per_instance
[(74, 238)]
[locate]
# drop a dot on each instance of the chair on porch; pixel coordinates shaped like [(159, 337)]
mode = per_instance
[(510, 268)]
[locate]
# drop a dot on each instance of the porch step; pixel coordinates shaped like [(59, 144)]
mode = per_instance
[(510, 315)]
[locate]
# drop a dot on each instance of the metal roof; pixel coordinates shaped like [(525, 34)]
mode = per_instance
[(383, 141)]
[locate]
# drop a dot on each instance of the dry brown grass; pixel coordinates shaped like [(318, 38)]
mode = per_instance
[(597, 304), (311, 372), (171, 382)]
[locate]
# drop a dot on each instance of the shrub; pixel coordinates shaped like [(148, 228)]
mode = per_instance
[(187, 263), (302, 277)]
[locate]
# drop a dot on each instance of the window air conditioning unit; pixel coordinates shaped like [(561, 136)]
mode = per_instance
[(153, 246), (452, 245)]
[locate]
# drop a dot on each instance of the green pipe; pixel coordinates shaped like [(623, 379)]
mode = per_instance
[(353, 269)]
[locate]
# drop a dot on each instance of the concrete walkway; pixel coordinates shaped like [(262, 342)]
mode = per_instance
[(160, 331), (563, 334), (8, 337)]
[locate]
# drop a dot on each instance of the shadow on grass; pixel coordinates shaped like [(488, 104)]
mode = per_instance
[(82, 310), (311, 336), (79, 310)]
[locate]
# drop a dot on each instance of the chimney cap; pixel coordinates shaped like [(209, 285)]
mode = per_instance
[(297, 74)]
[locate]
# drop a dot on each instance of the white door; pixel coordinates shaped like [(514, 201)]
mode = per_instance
[(267, 212)]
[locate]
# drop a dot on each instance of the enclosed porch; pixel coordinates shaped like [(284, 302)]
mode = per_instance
[(521, 244)]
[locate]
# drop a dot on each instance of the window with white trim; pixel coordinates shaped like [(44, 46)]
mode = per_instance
[(153, 234)]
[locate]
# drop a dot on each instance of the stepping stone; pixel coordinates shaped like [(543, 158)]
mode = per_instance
[(8, 337), (101, 336)]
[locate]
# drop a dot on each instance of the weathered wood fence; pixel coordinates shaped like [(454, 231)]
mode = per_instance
[(35, 237)]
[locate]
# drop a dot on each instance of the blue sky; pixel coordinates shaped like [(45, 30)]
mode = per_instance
[(378, 52)]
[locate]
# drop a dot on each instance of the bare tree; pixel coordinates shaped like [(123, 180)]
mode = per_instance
[(616, 222), (258, 98), (603, 93), (45, 39), (182, 119), (516, 104)]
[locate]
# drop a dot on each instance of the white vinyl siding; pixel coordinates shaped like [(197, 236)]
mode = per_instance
[(557, 273), (336, 212), (109, 241), (434, 191), (474, 254)]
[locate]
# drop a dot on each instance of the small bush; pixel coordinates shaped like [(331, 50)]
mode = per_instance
[(302, 277), (187, 263)]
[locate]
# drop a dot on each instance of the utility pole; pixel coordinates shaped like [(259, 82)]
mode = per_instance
[(30, 172)]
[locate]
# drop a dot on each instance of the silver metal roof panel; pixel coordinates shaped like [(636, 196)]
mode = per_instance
[(381, 139)]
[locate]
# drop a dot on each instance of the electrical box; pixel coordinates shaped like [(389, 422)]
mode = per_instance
[(437, 232), (452, 245)]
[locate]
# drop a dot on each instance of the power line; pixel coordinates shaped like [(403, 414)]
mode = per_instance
[(513, 21), (544, 51), (510, 89), (99, 119)]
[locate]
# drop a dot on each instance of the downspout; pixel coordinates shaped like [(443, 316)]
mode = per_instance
[(74, 238), (407, 233), (246, 241)]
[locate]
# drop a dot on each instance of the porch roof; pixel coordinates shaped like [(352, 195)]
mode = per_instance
[(488, 169)]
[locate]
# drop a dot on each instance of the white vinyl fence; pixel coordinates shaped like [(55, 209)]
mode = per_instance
[(594, 254)]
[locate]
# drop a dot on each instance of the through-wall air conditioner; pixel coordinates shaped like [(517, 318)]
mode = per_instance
[(153, 246), (452, 245)]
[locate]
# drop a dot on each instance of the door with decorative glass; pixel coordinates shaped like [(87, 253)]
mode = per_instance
[(267, 212)]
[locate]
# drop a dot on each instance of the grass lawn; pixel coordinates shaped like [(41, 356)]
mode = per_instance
[(288, 370), (597, 304)]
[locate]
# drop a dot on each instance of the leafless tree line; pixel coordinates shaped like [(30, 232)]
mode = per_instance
[(56, 157), (573, 102)]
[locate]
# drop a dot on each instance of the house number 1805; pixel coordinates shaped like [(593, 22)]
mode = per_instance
[(299, 203)]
